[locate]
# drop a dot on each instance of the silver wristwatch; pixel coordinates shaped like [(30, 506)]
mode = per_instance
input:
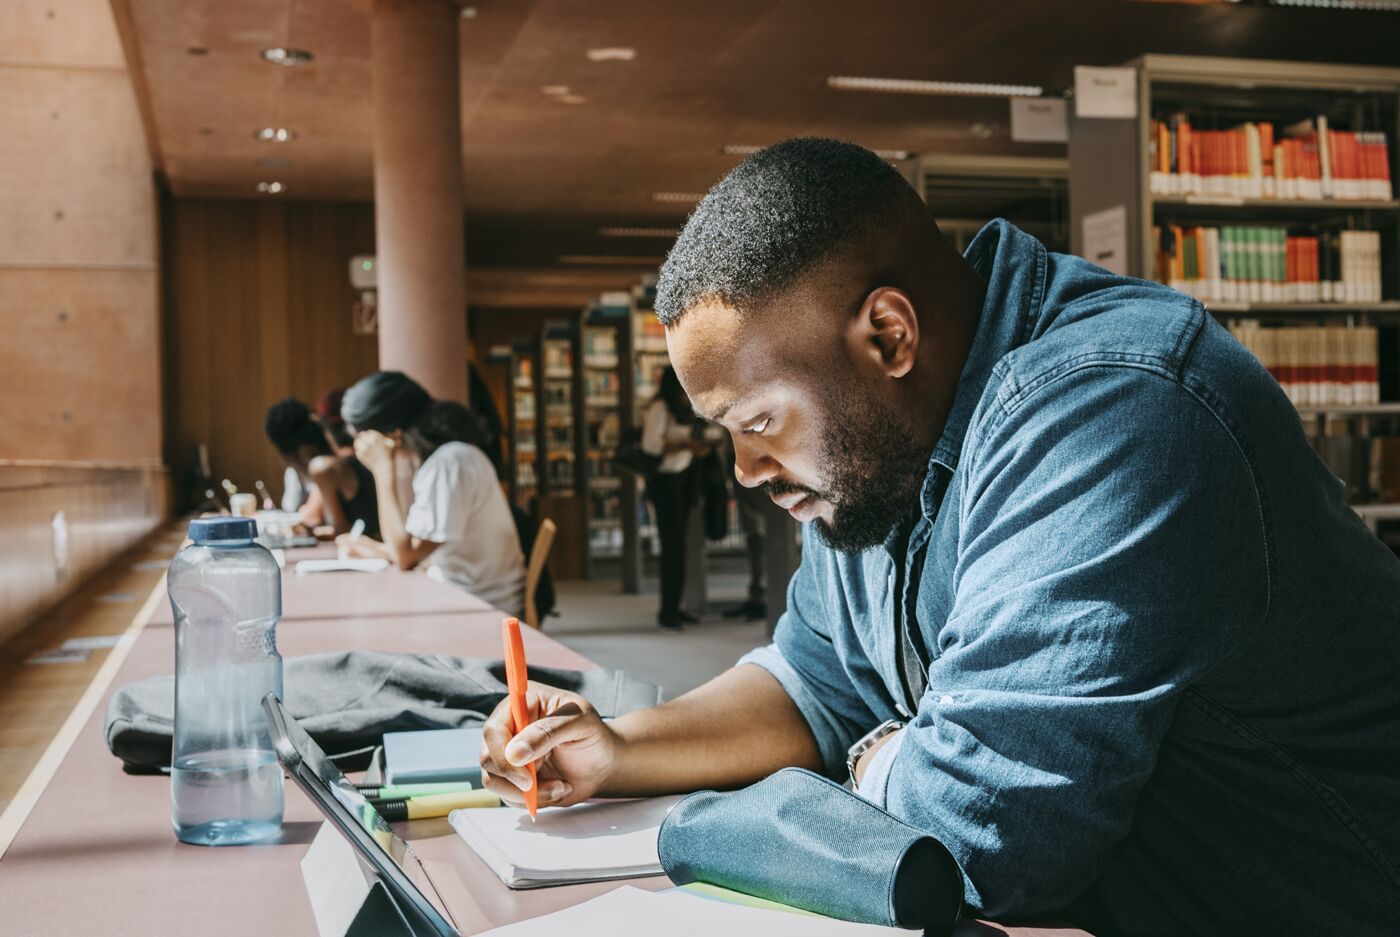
[(867, 742)]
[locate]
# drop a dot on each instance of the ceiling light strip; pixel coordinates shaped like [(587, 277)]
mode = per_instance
[(916, 86), (638, 232)]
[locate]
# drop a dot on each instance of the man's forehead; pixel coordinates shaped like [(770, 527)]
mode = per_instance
[(722, 355)]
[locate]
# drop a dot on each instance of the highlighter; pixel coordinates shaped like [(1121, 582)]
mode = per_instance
[(516, 685), (434, 805), (405, 791)]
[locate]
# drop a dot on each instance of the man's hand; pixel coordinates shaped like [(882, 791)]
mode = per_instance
[(574, 752), (376, 452), (864, 760)]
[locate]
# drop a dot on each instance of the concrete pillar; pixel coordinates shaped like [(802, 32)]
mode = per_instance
[(418, 193)]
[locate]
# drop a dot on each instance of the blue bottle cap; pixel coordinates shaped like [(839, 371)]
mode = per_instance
[(222, 529)]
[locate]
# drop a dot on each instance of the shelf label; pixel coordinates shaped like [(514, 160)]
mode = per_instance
[(1106, 239), (1105, 92)]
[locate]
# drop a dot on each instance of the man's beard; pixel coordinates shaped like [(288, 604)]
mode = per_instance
[(875, 469)]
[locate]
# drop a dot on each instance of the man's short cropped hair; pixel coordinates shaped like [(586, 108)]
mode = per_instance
[(775, 216)]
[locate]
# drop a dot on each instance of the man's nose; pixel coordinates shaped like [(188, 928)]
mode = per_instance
[(752, 468)]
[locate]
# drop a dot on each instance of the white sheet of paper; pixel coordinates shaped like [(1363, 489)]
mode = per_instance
[(305, 567), (1105, 92), (1106, 239), (631, 912)]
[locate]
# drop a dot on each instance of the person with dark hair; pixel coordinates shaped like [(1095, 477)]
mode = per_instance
[(314, 469), (1077, 600), (328, 414), (668, 433), (458, 525)]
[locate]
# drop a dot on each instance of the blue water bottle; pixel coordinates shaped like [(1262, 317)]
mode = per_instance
[(226, 590)]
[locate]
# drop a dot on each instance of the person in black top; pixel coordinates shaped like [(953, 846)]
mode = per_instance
[(344, 489)]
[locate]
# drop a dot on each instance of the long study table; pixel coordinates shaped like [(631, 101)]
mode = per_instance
[(96, 854)]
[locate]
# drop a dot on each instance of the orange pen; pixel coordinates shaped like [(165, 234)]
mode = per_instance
[(516, 684)]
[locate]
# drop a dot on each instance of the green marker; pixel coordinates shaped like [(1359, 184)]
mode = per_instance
[(401, 791)]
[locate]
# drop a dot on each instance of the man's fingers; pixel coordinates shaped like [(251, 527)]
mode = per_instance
[(542, 736), (507, 791)]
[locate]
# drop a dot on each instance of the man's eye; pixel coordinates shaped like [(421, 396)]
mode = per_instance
[(760, 426)]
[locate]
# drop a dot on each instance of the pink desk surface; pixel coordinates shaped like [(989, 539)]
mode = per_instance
[(357, 595), (97, 855)]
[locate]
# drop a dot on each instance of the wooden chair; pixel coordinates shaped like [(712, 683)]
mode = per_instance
[(544, 539)]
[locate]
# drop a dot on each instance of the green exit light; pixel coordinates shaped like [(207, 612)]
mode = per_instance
[(366, 265)]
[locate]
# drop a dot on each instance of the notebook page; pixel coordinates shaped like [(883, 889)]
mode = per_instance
[(586, 840)]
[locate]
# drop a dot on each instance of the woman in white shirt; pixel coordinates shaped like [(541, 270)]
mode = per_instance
[(458, 526), (669, 432)]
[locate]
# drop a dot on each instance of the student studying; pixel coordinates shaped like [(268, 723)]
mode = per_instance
[(1077, 600), (458, 526)]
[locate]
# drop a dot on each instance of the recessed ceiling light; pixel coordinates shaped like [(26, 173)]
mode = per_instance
[(638, 232), (554, 90), (468, 13), (280, 55), (982, 131), (740, 149), (914, 86), (676, 196), (276, 134), (271, 188), (570, 99), (612, 54), (610, 260)]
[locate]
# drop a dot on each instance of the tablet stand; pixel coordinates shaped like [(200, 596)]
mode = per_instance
[(346, 894)]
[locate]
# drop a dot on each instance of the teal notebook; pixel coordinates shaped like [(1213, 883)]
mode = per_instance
[(432, 756)]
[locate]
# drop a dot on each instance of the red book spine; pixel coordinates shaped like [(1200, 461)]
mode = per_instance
[(1266, 147)]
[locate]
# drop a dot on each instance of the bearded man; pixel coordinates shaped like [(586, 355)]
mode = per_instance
[(1077, 599)]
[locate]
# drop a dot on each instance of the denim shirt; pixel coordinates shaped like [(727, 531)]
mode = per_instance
[(1163, 655)]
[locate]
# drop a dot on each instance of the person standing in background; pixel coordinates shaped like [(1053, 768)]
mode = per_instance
[(458, 525), (668, 433)]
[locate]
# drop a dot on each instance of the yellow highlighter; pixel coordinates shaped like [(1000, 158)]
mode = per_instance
[(434, 805)]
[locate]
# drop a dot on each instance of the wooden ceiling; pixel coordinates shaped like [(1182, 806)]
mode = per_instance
[(543, 176)]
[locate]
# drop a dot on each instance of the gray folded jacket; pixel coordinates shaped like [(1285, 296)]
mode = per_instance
[(808, 842), (347, 701)]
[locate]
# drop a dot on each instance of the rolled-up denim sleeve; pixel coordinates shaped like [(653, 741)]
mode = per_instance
[(803, 658), (1112, 552)]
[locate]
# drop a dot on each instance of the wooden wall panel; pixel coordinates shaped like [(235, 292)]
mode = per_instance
[(79, 294), (257, 308), (79, 365), (77, 186), (105, 511)]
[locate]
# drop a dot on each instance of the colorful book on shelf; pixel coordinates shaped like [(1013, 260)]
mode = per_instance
[(1317, 365), (1269, 264), (1307, 159)]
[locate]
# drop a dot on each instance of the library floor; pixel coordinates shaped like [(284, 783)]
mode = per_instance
[(615, 630)]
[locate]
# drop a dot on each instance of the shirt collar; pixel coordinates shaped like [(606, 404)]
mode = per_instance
[(1012, 264)]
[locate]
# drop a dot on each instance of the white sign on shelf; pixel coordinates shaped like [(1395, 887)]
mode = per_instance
[(1106, 239), (1105, 92), (1039, 120)]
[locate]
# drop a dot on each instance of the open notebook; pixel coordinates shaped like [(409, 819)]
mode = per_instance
[(593, 842)]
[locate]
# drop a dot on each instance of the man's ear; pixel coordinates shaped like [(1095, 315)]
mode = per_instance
[(886, 331)]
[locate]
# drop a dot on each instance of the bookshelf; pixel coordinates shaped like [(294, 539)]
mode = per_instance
[(965, 192), (561, 421), (521, 424), (1262, 188), (607, 389)]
